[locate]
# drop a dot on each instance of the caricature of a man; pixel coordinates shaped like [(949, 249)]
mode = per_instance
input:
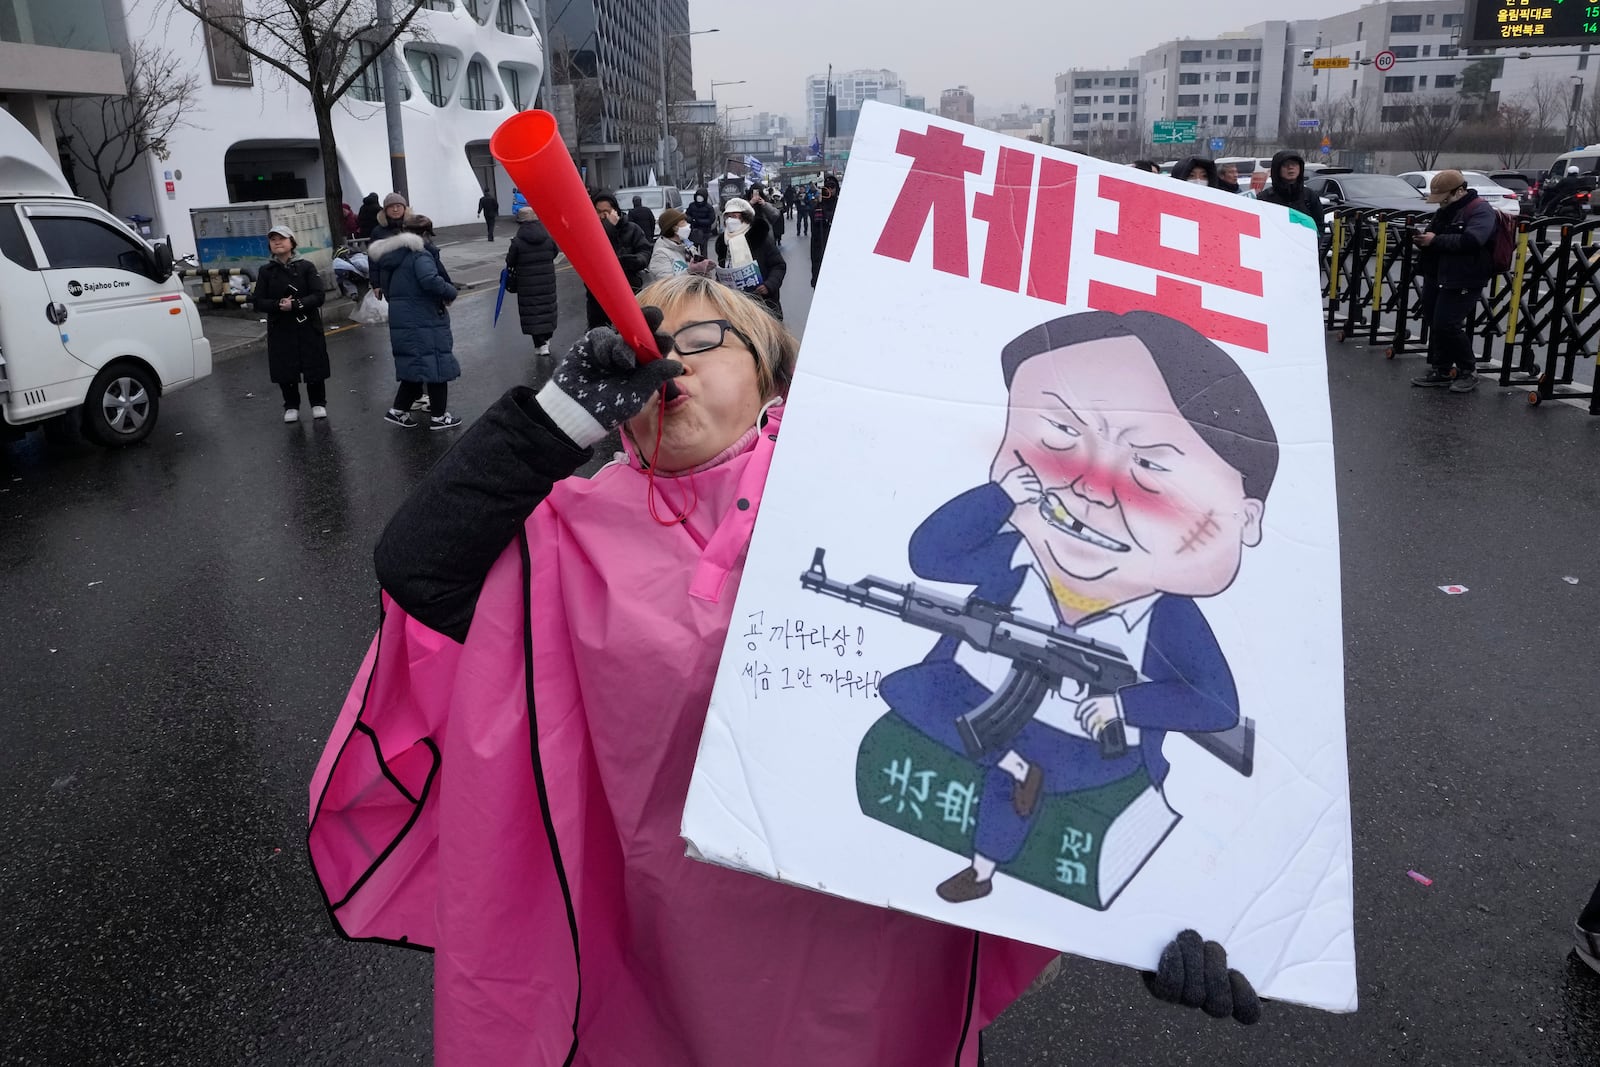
[(1133, 474)]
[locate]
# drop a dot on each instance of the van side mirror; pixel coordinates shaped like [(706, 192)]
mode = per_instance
[(163, 261)]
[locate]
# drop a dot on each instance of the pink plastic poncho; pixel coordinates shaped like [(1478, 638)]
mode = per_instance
[(445, 815)]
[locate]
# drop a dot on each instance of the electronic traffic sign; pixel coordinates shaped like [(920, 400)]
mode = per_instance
[(1539, 23)]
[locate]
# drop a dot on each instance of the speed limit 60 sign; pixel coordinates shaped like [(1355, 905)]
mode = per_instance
[(1384, 60)]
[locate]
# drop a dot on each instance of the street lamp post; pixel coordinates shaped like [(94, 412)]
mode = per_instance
[(661, 151), (1572, 108), (727, 124)]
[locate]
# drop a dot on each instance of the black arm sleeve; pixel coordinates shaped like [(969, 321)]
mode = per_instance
[(436, 551), (310, 285)]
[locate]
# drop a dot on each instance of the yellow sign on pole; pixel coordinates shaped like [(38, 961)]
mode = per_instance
[(1331, 63)]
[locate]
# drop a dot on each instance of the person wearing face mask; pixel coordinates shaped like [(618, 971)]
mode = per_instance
[(746, 238), (1456, 261), (674, 249), (702, 220), (1199, 171), (631, 245)]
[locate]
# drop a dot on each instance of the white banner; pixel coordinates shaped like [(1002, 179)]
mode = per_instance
[(1039, 633)]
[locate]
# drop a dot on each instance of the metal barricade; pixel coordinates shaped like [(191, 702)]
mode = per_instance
[(1576, 314)]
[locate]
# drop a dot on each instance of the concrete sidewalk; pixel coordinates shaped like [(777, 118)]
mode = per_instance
[(473, 262)]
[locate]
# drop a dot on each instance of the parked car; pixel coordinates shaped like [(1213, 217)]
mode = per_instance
[(656, 197), (1384, 192), (1525, 183), (1500, 198)]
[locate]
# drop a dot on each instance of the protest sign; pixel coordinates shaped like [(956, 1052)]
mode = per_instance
[(747, 277), (1039, 631)]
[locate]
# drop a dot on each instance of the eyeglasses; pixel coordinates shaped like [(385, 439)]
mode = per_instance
[(700, 337)]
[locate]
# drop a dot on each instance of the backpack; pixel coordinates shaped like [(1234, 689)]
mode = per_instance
[(1504, 243)]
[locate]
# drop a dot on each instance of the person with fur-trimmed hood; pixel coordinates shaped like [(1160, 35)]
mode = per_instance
[(419, 325), (747, 238)]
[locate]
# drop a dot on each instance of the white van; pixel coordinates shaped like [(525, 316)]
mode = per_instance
[(91, 316)]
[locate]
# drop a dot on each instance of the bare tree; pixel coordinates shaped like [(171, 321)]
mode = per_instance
[(323, 46), (1585, 122), (1423, 125), (109, 139), (574, 77), (1514, 134), (1293, 135), (1545, 101)]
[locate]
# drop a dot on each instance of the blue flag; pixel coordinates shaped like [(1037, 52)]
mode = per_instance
[(816, 148), (754, 166)]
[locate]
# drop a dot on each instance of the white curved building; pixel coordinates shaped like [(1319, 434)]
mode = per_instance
[(472, 64)]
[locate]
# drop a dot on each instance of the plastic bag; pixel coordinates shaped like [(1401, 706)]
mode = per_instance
[(371, 311)]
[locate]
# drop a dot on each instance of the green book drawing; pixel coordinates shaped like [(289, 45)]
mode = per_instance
[(1085, 846)]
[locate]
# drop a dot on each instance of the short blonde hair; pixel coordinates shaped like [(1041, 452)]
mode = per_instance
[(776, 347)]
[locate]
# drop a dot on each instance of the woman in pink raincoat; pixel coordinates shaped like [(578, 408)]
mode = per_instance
[(507, 776)]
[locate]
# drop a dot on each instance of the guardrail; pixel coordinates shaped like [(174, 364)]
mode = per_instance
[(1529, 328)]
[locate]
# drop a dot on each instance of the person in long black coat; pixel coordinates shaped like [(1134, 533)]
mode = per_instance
[(367, 217), (532, 263), (289, 292)]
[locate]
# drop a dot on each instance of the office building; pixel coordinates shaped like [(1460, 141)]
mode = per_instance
[(917, 103), (618, 56), (1097, 110), (958, 104), (1251, 87), (851, 88), (252, 136), (52, 50)]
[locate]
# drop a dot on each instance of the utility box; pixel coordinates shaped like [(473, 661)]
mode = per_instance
[(235, 236)]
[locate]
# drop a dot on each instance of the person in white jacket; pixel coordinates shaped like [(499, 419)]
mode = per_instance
[(674, 253)]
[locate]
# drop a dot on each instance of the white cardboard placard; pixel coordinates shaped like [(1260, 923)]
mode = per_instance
[(847, 749)]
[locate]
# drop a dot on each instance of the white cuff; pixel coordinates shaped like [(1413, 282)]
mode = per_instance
[(569, 416)]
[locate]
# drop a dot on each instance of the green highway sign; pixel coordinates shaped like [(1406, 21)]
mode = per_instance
[(1182, 131)]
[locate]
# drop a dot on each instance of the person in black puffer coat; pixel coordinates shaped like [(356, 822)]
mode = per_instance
[(702, 220), (532, 262), (746, 237), (1287, 188)]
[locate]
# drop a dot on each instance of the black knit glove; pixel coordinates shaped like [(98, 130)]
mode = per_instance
[(600, 383), (1195, 973)]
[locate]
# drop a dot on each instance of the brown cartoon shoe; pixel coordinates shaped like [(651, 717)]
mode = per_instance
[(1025, 794), (964, 887)]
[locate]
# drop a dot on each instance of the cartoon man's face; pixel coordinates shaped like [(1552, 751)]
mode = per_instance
[(1130, 499)]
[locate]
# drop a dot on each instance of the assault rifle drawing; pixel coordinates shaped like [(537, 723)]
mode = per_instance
[(1042, 658)]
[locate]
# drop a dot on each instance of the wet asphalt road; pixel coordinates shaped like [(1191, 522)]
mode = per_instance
[(182, 620)]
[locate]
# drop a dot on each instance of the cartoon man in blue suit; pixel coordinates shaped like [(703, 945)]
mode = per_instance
[(1133, 474)]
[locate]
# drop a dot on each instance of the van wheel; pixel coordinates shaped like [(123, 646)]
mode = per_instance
[(121, 406)]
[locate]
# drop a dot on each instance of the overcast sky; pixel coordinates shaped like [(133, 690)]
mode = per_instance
[(1008, 56)]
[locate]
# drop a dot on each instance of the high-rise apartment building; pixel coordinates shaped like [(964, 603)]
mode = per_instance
[(958, 104), (1097, 109), (618, 56), (852, 88)]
